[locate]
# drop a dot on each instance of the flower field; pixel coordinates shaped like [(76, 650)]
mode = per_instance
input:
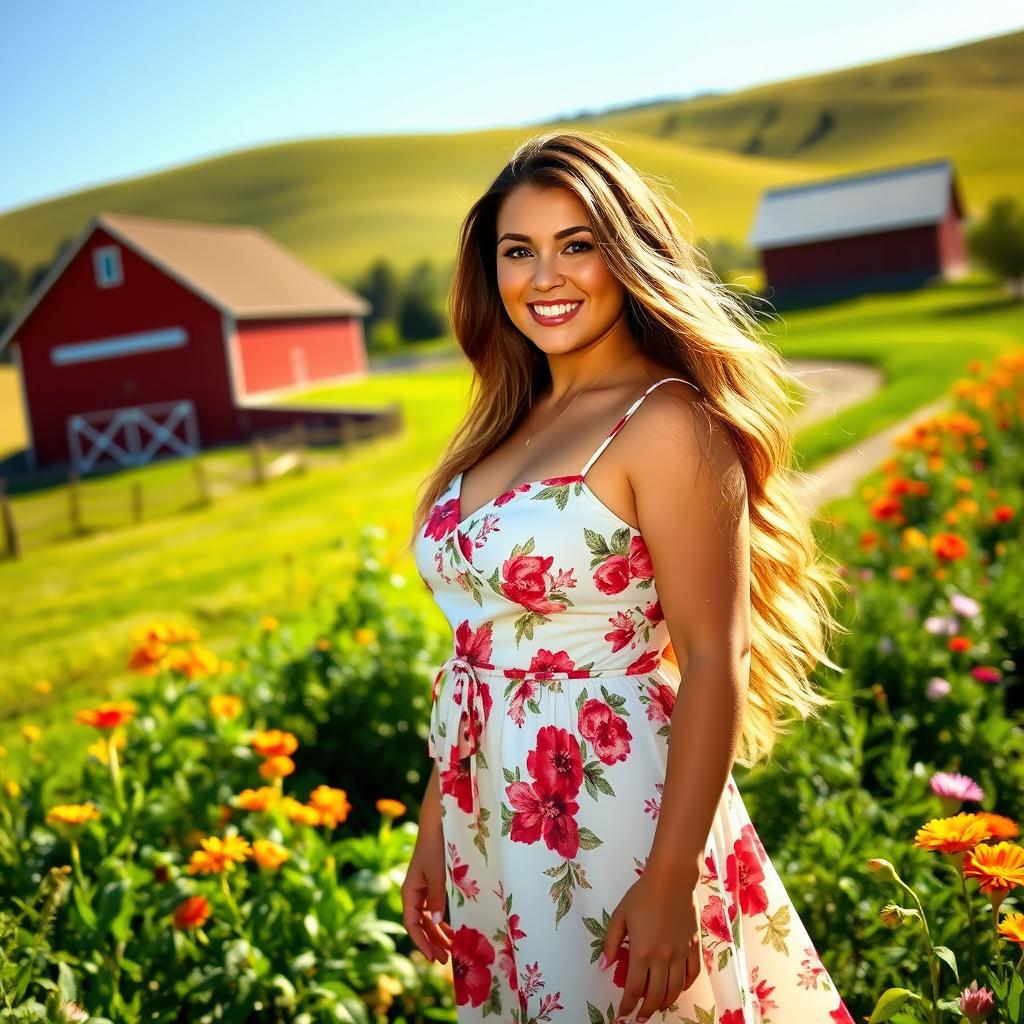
[(233, 845)]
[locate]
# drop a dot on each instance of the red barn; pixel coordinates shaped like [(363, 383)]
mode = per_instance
[(151, 336), (896, 228)]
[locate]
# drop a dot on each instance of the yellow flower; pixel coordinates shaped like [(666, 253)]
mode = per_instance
[(3, 750), (323, 644), (998, 866), (268, 854), (226, 705), (332, 804), (364, 636), (31, 732), (299, 812), (72, 815), (268, 623), (392, 808), (12, 788), (952, 835), (218, 854), (261, 799), (913, 539), (274, 742), (277, 767), (100, 749), (1012, 927), (43, 686)]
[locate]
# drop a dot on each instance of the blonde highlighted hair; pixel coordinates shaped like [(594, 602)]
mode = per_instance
[(683, 317)]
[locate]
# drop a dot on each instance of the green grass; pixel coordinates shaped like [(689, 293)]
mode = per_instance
[(342, 202), (68, 610)]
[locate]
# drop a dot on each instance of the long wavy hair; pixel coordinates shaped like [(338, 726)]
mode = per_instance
[(684, 317)]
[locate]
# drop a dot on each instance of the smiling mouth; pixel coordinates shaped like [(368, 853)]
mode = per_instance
[(554, 313)]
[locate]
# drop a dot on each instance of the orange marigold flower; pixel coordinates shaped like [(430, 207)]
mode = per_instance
[(949, 546), (72, 815), (392, 808), (332, 804), (226, 705), (299, 812), (1002, 513), (998, 866), (261, 799), (277, 767), (193, 662), (886, 508), (959, 643), (274, 742), (1012, 927), (268, 854), (868, 539), (43, 686), (364, 636), (108, 715), (146, 657), (323, 644), (902, 573), (191, 913), (999, 825), (218, 854), (952, 835)]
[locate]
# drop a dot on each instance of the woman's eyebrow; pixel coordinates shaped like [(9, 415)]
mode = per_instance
[(557, 234)]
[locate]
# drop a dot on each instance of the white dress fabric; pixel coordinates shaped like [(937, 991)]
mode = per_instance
[(550, 726)]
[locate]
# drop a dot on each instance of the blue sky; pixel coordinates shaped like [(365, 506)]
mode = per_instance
[(99, 91)]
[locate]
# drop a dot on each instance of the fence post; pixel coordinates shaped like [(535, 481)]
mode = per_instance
[(11, 546), (347, 432), (258, 476), (137, 502), (202, 484), (74, 502)]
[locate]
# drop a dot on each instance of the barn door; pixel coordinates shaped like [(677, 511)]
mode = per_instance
[(132, 436)]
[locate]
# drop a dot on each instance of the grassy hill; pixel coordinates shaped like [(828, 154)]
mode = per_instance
[(341, 202)]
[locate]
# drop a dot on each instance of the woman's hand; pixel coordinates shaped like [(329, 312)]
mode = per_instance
[(423, 894), (659, 915)]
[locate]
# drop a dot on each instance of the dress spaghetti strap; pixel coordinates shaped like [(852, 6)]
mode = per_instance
[(625, 419)]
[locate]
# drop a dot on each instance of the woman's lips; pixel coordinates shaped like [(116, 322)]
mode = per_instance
[(554, 321)]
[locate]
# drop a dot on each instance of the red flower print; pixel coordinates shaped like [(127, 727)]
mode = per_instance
[(442, 520), (475, 645), (762, 992), (750, 833), (527, 582), (506, 496), (640, 567), (556, 763), (472, 956), (518, 699), (561, 481), (621, 971), (713, 918), (465, 543), (459, 869), (653, 612), (623, 631), (545, 661), (607, 732), (538, 813), (457, 782), (743, 876), (841, 1015), (613, 575), (732, 1017), (507, 956), (663, 699), (647, 662)]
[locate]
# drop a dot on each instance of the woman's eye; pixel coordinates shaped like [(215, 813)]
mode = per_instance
[(521, 248)]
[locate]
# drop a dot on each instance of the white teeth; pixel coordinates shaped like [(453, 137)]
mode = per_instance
[(555, 310)]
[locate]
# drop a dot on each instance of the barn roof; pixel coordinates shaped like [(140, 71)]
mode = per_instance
[(235, 267), (856, 204)]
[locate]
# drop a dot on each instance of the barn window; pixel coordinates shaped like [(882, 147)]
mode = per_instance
[(107, 260)]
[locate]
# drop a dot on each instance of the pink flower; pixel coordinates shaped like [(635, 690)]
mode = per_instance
[(941, 625), (976, 1003), (986, 673), (607, 732), (955, 786), (965, 606), (937, 688)]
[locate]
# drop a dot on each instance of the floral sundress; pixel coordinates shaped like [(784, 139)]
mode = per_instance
[(550, 725)]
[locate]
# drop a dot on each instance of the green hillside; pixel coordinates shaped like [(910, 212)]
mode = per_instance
[(341, 202)]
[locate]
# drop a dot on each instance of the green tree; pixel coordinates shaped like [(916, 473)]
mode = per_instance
[(997, 242), (420, 313)]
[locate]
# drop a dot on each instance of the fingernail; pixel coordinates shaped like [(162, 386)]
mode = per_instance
[(603, 962), (436, 916)]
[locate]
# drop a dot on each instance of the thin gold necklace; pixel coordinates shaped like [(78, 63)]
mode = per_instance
[(574, 397)]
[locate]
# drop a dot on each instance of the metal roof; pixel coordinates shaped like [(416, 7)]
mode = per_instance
[(858, 204), (237, 268)]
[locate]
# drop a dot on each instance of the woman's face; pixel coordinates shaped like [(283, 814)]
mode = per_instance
[(542, 262)]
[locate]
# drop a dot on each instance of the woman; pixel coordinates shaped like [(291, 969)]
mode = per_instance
[(581, 821)]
